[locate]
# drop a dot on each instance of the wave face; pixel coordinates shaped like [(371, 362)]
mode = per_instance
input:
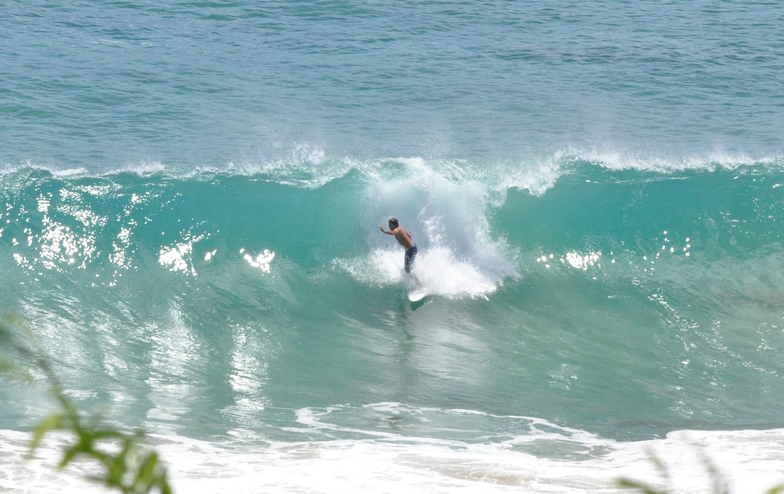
[(624, 301)]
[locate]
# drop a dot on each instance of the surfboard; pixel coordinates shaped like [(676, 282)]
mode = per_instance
[(418, 294)]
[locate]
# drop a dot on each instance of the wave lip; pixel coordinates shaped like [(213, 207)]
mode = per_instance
[(309, 166)]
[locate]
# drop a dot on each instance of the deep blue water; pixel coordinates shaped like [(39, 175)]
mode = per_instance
[(99, 85)]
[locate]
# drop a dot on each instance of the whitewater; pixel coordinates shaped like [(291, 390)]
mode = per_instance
[(190, 196)]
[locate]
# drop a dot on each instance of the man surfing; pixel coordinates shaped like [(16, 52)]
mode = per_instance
[(404, 239)]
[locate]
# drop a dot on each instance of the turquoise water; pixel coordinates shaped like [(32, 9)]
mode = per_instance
[(190, 201), (100, 85)]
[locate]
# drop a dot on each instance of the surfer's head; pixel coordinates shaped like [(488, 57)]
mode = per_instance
[(392, 223)]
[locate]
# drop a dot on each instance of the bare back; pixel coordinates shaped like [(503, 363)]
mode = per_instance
[(402, 237)]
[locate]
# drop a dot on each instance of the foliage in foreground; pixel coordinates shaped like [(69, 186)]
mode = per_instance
[(719, 483), (124, 463)]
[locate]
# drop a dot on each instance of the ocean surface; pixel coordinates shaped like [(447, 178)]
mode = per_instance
[(189, 211)]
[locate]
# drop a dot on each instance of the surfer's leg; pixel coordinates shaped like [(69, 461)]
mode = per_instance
[(408, 263), (408, 260)]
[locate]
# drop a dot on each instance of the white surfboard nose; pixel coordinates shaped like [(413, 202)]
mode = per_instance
[(418, 294)]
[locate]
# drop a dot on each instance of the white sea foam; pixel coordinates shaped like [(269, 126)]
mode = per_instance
[(620, 160), (446, 214), (436, 268), (180, 256), (575, 462), (141, 168), (261, 261), (536, 178), (308, 165)]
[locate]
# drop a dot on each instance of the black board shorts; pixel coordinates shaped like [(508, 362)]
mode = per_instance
[(409, 260)]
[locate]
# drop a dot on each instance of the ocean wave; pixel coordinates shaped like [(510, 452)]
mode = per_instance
[(310, 167), (656, 283)]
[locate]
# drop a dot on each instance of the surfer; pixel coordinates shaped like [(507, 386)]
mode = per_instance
[(404, 239)]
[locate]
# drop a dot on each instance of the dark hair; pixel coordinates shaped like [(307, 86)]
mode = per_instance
[(393, 221)]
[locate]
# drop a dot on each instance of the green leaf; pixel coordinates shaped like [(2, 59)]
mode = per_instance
[(131, 470), (633, 484), (52, 422), (100, 434), (145, 477), (70, 454), (165, 488)]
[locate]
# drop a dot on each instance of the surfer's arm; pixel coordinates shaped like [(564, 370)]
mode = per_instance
[(388, 232)]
